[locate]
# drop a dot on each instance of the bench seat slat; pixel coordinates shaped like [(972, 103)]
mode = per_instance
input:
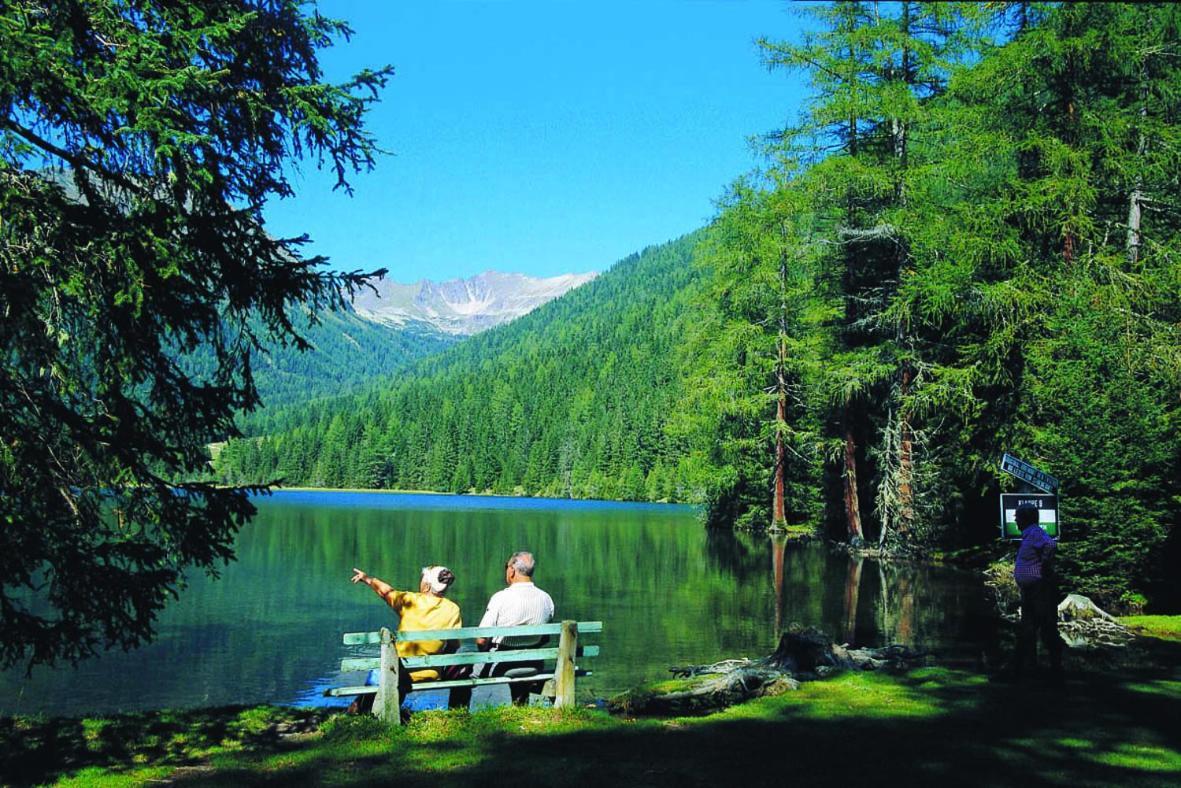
[(429, 685), (366, 689), (471, 633), (464, 658)]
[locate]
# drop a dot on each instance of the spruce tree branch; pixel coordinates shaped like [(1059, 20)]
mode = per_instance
[(77, 162)]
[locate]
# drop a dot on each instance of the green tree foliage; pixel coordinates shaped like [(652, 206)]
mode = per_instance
[(570, 400), (758, 332), (139, 143), (994, 193)]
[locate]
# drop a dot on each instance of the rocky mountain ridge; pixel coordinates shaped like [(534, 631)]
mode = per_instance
[(463, 306)]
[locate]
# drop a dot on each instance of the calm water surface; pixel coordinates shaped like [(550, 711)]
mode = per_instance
[(668, 591)]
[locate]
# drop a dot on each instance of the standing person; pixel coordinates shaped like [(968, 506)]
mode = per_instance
[(426, 608), (519, 604), (1034, 573)]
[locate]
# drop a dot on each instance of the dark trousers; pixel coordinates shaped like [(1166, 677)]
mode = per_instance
[(519, 690), (1039, 617)]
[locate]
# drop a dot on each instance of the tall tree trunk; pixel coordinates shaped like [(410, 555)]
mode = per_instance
[(905, 457), (778, 515), (849, 463), (778, 509), (849, 475), (906, 436)]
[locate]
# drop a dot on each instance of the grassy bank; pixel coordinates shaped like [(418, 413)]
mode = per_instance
[(930, 726), (1163, 627)]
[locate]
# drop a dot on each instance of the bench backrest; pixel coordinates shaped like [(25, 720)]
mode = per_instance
[(470, 634)]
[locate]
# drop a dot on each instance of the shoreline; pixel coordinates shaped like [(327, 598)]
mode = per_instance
[(472, 494)]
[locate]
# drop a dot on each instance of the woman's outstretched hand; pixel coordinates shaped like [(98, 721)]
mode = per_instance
[(359, 576)]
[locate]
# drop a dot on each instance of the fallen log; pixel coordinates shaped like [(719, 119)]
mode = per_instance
[(803, 653)]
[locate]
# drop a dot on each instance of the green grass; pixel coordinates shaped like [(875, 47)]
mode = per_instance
[(934, 726), (1163, 627)]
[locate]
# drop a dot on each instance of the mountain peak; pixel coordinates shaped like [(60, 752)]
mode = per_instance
[(464, 306)]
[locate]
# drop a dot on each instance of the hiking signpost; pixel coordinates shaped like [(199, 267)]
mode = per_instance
[(1041, 490), (1029, 474)]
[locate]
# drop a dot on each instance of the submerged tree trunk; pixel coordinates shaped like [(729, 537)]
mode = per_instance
[(852, 596), (778, 548)]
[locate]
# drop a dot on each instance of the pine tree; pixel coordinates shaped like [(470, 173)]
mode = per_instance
[(139, 144)]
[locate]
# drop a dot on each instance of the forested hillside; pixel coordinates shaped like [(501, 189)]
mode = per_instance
[(570, 400), (347, 353)]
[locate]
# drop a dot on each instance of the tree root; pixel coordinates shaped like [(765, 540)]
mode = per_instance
[(803, 654)]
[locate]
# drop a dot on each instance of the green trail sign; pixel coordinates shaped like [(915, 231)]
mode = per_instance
[(1047, 513), (1029, 474)]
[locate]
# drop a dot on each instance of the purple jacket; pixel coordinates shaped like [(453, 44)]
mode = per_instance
[(1036, 550)]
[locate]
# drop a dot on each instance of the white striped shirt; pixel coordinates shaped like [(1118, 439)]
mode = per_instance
[(518, 605)]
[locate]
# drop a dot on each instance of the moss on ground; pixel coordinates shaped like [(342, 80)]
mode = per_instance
[(929, 726)]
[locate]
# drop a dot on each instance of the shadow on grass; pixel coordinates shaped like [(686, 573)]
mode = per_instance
[(38, 750), (928, 727)]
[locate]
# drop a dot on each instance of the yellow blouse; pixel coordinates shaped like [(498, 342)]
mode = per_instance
[(423, 611)]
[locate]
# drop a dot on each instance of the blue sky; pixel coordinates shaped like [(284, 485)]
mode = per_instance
[(543, 137)]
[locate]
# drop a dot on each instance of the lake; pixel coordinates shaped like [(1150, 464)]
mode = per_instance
[(669, 592)]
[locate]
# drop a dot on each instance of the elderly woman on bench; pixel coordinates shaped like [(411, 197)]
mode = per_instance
[(427, 608)]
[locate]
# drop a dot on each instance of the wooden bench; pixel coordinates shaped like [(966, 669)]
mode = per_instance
[(559, 681)]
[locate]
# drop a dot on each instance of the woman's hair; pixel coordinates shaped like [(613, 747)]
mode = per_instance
[(438, 578)]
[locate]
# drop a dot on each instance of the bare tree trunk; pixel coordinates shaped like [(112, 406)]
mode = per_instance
[(778, 508), (905, 460), (852, 504), (1137, 196), (1134, 223)]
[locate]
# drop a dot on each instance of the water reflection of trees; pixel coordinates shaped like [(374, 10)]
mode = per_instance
[(670, 592), (866, 602)]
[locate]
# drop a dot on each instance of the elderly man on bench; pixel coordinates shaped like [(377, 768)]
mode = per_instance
[(520, 603)]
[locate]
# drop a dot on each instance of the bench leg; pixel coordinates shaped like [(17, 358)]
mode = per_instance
[(388, 703), (564, 670)]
